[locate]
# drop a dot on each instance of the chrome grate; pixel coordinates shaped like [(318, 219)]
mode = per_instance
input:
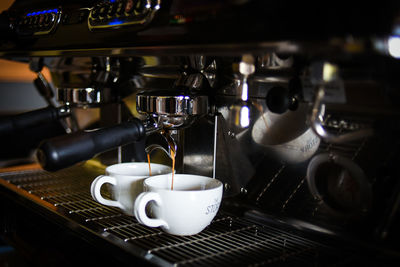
[(228, 240)]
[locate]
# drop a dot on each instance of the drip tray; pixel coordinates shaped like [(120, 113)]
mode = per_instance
[(228, 240)]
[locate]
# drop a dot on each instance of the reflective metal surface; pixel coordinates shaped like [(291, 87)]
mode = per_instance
[(180, 105), (318, 128), (84, 97), (174, 111)]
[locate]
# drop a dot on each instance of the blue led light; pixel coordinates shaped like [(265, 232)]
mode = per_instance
[(115, 22), (42, 12), (112, 1)]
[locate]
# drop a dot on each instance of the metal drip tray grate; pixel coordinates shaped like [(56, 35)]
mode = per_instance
[(228, 240)]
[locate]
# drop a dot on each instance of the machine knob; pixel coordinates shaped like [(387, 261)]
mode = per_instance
[(120, 8), (103, 11), (95, 12), (35, 20), (26, 21), (112, 10), (142, 5), (48, 18), (279, 100), (42, 19), (129, 7)]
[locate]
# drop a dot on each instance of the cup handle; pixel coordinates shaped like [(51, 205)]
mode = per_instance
[(140, 209), (95, 190)]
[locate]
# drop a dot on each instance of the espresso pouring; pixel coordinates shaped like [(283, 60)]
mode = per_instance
[(172, 154)]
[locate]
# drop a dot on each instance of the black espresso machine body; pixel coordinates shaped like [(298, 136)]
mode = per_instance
[(292, 105)]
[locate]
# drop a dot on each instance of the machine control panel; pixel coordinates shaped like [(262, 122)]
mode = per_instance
[(38, 22), (118, 13)]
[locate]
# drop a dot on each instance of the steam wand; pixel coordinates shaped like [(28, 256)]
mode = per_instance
[(46, 91), (325, 74)]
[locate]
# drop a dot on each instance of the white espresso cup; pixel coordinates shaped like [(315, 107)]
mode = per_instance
[(185, 210), (127, 180), (286, 136)]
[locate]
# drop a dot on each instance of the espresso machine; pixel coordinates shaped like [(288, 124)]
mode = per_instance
[(292, 106)]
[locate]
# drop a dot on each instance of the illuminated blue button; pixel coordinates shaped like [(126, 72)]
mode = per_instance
[(115, 22)]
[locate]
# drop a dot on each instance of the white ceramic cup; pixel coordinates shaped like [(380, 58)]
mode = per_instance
[(286, 136), (127, 180), (185, 210)]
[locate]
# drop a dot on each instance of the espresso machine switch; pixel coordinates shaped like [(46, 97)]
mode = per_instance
[(38, 22), (116, 14)]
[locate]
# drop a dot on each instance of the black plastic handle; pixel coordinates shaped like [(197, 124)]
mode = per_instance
[(14, 124), (64, 151)]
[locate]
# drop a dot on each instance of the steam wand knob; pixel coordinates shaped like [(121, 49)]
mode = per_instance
[(279, 100)]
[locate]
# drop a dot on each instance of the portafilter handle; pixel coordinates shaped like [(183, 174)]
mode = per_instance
[(21, 122), (64, 151)]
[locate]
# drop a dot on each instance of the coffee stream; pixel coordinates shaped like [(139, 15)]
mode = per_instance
[(172, 153), (148, 160)]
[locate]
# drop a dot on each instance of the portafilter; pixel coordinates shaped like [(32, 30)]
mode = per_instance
[(164, 112)]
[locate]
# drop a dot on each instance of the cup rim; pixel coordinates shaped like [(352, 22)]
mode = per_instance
[(112, 169), (216, 187)]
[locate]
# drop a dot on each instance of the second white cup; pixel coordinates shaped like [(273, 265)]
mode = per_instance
[(127, 180), (185, 210)]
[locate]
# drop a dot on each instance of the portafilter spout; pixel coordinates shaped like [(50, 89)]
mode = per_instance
[(170, 112), (171, 146)]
